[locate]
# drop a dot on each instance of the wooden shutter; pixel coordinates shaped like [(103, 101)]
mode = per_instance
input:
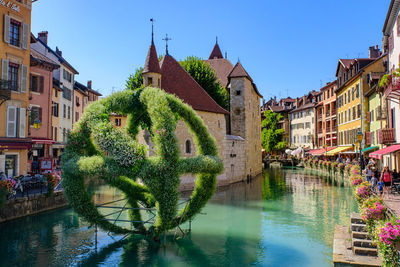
[(23, 78), (22, 122), (11, 121), (7, 29), (4, 69), (41, 84), (25, 36), (40, 115)]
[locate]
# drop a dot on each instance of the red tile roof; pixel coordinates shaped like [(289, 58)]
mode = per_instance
[(42, 59), (346, 62), (238, 71), (151, 64), (175, 80), (222, 67), (216, 52)]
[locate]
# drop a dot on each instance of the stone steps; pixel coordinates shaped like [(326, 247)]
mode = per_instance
[(360, 235), (361, 243), (365, 243), (358, 227)]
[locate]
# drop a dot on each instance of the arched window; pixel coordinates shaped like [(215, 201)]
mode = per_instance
[(188, 147)]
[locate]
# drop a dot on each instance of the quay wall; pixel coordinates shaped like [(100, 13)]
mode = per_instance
[(20, 207)]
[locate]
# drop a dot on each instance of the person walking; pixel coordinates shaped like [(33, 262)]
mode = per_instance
[(387, 180), (369, 173)]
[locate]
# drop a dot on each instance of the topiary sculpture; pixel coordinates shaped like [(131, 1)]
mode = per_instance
[(96, 149)]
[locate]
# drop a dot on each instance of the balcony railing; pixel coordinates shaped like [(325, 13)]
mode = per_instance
[(8, 85), (386, 136), (368, 138), (319, 117), (328, 129)]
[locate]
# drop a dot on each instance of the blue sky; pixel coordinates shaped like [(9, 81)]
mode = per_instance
[(288, 47)]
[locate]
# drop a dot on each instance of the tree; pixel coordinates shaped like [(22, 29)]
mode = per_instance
[(204, 75), (135, 81), (271, 136)]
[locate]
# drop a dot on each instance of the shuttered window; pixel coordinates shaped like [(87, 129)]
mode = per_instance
[(22, 122), (36, 83), (15, 33), (4, 69), (36, 114), (6, 29), (13, 70), (24, 79), (11, 121)]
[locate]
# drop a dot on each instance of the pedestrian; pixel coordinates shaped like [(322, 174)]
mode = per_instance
[(347, 160), (387, 180), (380, 187), (374, 181), (369, 173)]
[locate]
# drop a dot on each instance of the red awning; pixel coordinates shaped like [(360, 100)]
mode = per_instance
[(379, 153), (43, 141), (15, 146), (319, 152)]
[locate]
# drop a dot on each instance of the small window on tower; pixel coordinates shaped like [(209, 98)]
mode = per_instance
[(238, 92), (150, 81)]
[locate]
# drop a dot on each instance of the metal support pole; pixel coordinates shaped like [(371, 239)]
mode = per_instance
[(95, 237)]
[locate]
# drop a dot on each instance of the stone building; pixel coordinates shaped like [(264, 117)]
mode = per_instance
[(237, 132)]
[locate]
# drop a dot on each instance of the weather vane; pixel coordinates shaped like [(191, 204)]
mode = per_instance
[(166, 39)]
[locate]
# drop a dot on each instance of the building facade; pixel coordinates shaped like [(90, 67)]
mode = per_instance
[(65, 77), (14, 86), (352, 108), (326, 117), (40, 103)]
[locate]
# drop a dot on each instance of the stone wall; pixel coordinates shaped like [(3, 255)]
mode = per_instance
[(234, 158), (21, 207)]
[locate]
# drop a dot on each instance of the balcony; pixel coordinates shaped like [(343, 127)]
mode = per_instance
[(386, 136), (368, 138), (328, 129)]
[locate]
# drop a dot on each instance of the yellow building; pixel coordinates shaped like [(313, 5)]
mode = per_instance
[(14, 86), (352, 107)]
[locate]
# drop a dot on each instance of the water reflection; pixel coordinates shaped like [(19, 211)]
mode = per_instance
[(285, 218)]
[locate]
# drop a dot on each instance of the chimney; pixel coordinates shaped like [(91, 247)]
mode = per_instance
[(374, 52), (304, 99), (42, 36), (89, 84), (58, 52)]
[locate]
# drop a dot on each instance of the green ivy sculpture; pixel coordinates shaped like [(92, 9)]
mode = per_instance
[(97, 150)]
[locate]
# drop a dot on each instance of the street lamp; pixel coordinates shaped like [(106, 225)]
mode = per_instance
[(360, 138)]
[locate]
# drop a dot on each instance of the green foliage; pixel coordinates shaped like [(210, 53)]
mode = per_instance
[(97, 150), (202, 73), (135, 81), (271, 136)]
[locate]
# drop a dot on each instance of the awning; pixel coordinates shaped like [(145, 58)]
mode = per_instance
[(43, 141), (369, 149), (337, 150), (321, 151), (15, 146), (379, 154)]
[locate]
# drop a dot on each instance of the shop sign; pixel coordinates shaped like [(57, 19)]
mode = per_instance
[(10, 5), (37, 146)]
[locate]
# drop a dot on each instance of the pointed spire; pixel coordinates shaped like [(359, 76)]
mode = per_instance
[(239, 71), (151, 64), (152, 31), (216, 52), (166, 39)]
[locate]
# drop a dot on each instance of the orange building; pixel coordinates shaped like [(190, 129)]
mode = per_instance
[(14, 86), (326, 117)]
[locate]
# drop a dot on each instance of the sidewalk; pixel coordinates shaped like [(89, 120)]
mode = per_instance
[(394, 204)]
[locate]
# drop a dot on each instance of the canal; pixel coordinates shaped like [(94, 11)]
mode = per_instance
[(282, 218)]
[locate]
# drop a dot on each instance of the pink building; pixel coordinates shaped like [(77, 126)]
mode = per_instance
[(40, 96)]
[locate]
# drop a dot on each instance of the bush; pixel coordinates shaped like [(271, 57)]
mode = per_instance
[(95, 149)]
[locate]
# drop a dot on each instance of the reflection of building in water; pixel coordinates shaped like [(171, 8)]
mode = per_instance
[(320, 205)]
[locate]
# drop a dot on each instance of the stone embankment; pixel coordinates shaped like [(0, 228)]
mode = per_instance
[(25, 206)]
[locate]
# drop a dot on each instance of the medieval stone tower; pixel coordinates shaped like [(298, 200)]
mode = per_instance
[(245, 116)]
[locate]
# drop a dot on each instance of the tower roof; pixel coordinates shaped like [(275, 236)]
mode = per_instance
[(175, 80), (151, 64), (239, 71), (216, 52)]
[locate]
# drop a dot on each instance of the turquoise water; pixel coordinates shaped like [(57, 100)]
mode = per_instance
[(283, 218)]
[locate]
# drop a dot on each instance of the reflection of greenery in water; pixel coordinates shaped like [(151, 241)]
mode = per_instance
[(285, 218)]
